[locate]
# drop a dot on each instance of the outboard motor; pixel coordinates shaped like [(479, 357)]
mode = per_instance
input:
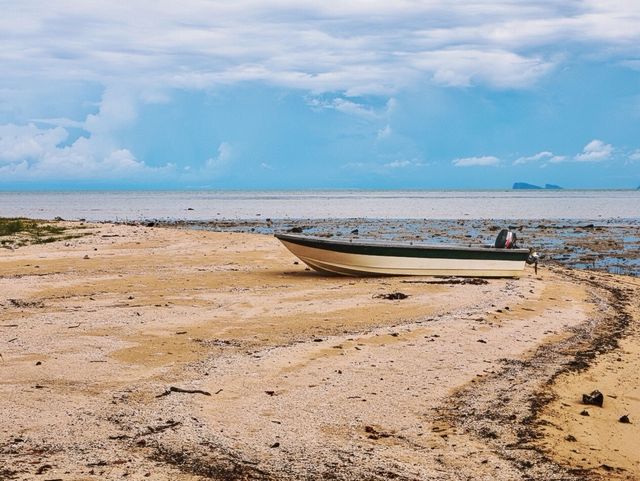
[(533, 259), (505, 240)]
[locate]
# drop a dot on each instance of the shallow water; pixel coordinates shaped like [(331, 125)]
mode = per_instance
[(209, 205), (552, 222), (611, 245)]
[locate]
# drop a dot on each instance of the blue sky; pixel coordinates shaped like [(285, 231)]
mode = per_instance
[(283, 94)]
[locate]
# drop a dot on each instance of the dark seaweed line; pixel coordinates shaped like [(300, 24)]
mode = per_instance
[(531, 461), (228, 466)]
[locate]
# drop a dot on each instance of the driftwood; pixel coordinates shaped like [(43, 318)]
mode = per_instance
[(158, 429), (187, 391)]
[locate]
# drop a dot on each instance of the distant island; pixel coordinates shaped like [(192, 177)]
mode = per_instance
[(525, 186)]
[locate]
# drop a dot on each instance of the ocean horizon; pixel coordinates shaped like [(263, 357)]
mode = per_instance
[(192, 205)]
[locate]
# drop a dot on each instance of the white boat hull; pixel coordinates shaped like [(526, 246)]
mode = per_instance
[(358, 264)]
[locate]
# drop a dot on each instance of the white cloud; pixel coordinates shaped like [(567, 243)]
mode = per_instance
[(464, 67), (356, 47), (384, 168), (403, 163), (28, 152), (595, 151), (545, 156), (345, 106), (392, 103), (487, 160), (221, 160), (635, 155), (28, 142), (384, 132)]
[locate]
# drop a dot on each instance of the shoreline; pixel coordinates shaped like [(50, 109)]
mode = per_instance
[(420, 390)]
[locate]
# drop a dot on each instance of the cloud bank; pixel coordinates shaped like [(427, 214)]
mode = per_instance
[(360, 47)]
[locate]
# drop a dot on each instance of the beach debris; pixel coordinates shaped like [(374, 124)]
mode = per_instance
[(584, 412), (270, 393), (39, 363), (296, 230), (181, 390), (86, 256), (355, 231), (392, 296), (595, 398), (485, 432), (374, 434), (23, 303), (157, 429), (275, 445), (625, 419), (44, 468), (481, 341)]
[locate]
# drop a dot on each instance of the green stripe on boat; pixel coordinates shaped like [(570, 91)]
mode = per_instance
[(378, 248)]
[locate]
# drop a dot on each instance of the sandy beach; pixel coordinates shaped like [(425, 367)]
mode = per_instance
[(156, 353)]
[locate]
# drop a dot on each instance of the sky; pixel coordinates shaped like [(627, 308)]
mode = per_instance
[(283, 94)]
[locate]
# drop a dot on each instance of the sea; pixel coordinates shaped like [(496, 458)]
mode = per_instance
[(336, 204)]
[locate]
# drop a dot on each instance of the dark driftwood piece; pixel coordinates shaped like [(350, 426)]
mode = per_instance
[(187, 391)]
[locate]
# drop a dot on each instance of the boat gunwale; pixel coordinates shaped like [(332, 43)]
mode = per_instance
[(394, 245)]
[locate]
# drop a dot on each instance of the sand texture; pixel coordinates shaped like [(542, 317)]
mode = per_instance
[(155, 353)]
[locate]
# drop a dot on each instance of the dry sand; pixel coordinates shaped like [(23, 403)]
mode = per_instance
[(300, 376)]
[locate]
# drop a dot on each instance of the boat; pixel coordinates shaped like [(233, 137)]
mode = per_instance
[(355, 257)]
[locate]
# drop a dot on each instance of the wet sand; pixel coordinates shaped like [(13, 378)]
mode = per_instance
[(293, 375)]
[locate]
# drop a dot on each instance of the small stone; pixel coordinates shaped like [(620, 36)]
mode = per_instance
[(595, 398), (625, 419)]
